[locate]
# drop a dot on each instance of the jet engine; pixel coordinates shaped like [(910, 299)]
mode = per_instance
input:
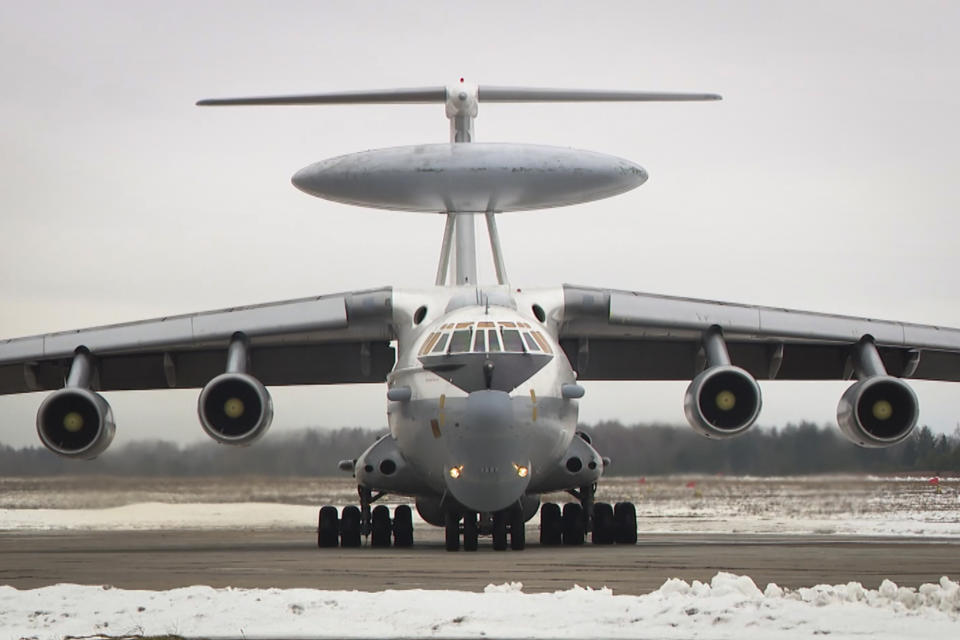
[(235, 408), (75, 422), (879, 410), (723, 400)]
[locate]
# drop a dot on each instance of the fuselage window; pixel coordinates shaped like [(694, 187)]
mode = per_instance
[(531, 343), (478, 343), (493, 340), (485, 325), (441, 346), (460, 341), (511, 340), (542, 342)]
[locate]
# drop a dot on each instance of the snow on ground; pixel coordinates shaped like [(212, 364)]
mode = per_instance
[(665, 520), (729, 607)]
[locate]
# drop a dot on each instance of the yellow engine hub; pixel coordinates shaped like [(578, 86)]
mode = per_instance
[(726, 400), (233, 408)]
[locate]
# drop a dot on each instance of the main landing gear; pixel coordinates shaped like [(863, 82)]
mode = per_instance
[(354, 522), (607, 525)]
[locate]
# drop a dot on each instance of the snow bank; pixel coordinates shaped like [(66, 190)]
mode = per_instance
[(159, 515), (730, 606)]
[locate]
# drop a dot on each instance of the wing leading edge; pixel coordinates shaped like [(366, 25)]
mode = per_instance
[(623, 335), (337, 338)]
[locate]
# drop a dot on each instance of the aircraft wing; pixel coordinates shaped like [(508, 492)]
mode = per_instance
[(338, 338), (625, 335)]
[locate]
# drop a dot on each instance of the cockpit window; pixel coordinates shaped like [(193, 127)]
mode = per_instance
[(460, 341), (485, 336), (511, 340), (441, 345), (531, 343), (429, 342), (542, 342), (493, 339), (479, 345)]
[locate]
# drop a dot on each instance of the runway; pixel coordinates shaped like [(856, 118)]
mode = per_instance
[(289, 559)]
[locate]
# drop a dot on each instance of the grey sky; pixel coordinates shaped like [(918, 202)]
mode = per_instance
[(825, 180)]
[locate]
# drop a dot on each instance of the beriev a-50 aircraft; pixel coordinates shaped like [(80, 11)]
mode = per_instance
[(482, 380)]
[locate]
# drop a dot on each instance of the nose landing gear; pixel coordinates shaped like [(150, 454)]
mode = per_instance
[(503, 526)]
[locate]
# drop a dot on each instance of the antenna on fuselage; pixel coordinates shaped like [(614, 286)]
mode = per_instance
[(461, 101)]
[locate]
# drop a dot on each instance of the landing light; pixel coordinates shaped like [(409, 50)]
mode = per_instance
[(522, 471), (456, 471)]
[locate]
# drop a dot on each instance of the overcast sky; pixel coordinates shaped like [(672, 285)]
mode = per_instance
[(825, 180)]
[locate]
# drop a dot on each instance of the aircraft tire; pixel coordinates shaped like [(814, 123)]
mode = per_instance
[(603, 524), (402, 526), (471, 531), (551, 525), (328, 527), (625, 522), (380, 526), (572, 524), (500, 531), (518, 531), (350, 527), (452, 521)]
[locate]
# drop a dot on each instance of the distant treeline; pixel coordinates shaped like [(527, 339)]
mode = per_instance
[(641, 449), (795, 449)]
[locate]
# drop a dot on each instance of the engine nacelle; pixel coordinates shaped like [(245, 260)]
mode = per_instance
[(722, 402), (235, 408), (76, 423), (879, 411)]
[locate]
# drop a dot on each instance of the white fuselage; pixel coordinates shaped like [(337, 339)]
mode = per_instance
[(484, 378)]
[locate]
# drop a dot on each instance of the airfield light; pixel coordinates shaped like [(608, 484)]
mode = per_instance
[(73, 422), (456, 471)]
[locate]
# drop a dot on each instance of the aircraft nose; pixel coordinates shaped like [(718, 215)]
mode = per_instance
[(488, 468)]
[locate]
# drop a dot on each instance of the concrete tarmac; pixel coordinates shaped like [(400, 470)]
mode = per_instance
[(287, 559)]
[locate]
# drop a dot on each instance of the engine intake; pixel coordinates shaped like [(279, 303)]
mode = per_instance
[(76, 423), (235, 408), (879, 411), (722, 402)]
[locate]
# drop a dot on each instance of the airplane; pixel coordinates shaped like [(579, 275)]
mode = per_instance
[(482, 380)]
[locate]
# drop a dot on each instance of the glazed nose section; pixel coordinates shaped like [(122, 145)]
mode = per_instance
[(488, 468)]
